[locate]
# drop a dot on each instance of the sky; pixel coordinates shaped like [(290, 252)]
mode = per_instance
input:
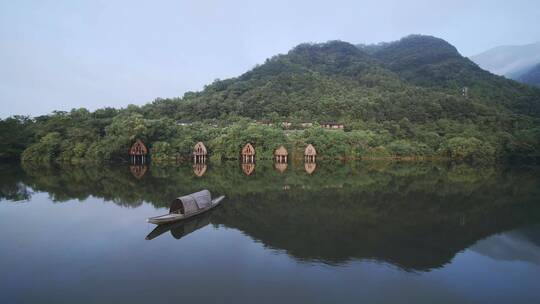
[(64, 54)]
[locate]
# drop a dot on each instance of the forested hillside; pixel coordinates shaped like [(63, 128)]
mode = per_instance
[(434, 63), (404, 98)]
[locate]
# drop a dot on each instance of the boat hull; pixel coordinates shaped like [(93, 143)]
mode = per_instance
[(174, 217)]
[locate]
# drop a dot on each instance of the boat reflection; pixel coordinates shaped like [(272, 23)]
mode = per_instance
[(181, 228)]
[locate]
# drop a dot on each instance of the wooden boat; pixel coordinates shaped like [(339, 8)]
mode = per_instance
[(187, 206)]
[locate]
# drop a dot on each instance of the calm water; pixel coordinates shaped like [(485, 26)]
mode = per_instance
[(346, 233)]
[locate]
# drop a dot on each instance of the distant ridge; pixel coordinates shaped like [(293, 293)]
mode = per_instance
[(511, 61), (532, 76)]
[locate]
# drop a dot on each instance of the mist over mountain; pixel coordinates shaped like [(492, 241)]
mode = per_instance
[(511, 61), (532, 76)]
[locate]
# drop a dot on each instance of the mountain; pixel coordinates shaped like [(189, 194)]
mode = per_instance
[(337, 80), (532, 76), (511, 61), (434, 63), (416, 51), (430, 62), (311, 81), (413, 97)]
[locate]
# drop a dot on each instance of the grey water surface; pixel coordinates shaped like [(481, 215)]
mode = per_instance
[(362, 232)]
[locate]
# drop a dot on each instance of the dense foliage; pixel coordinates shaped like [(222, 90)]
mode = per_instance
[(15, 135), (403, 98)]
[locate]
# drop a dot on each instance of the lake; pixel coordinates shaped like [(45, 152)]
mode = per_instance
[(369, 232)]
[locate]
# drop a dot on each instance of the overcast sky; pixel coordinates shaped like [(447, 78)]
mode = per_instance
[(58, 55)]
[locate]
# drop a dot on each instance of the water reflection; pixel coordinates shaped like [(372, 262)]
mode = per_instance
[(310, 167), (183, 228), (522, 244), (248, 168), (12, 187), (414, 216), (280, 166), (138, 171), (199, 169)]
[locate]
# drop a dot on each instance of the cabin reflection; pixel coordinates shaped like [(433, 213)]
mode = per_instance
[(182, 228), (138, 171), (248, 159), (199, 169), (310, 155), (310, 167), (248, 168), (280, 158), (281, 167)]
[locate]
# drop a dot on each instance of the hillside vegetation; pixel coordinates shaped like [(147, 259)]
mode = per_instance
[(404, 98)]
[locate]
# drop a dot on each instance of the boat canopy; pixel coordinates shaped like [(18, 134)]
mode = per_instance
[(191, 203)]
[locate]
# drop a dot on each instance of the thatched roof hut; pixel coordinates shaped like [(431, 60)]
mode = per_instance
[(138, 148), (248, 150), (199, 153), (310, 153), (281, 151), (310, 150), (281, 154), (248, 153), (199, 149)]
